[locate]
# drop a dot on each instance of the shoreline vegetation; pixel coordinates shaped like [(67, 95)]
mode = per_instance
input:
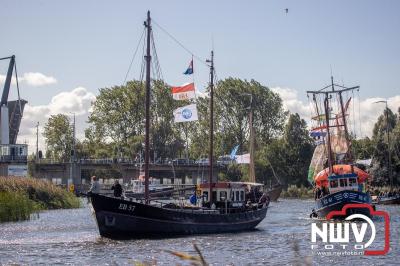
[(20, 197), (295, 192)]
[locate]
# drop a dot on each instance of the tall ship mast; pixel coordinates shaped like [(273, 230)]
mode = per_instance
[(332, 172), (221, 206), (211, 144)]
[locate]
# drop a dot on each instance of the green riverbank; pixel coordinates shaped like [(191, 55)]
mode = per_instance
[(295, 192), (20, 197)]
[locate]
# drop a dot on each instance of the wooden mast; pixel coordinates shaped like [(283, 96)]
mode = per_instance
[(252, 172), (326, 105), (328, 95), (211, 148), (147, 24)]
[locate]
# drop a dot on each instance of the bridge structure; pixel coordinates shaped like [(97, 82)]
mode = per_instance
[(79, 172)]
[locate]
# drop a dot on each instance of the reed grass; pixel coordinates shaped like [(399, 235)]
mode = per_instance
[(20, 197), (15, 206)]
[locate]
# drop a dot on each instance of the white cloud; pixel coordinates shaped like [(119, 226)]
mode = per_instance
[(370, 111), (34, 79), (77, 101), (292, 103), (364, 113), (37, 79)]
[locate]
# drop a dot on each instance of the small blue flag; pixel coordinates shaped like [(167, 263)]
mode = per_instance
[(233, 152), (189, 70)]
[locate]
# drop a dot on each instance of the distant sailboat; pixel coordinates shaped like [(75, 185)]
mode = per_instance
[(273, 191)]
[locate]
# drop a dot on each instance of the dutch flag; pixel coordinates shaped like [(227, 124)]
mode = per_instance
[(189, 70)]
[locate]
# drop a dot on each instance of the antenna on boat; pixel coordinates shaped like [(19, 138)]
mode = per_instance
[(147, 24), (211, 152)]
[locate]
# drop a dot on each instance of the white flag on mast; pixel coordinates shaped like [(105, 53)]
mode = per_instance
[(186, 113), (243, 159)]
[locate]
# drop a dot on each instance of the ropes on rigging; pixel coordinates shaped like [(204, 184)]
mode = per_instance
[(133, 57), (359, 111), (143, 67), (156, 61), (179, 43)]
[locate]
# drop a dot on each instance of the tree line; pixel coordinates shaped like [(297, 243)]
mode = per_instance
[(116, 130)]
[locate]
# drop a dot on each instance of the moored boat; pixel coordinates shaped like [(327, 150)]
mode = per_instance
[(155, 188), (388, 200), (274, 192)]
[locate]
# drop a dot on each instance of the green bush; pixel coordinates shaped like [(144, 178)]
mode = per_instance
[(15, 206), (297, 192), (19, 197)]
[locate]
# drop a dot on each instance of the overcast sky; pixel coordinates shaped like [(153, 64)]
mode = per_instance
[(67, 50)]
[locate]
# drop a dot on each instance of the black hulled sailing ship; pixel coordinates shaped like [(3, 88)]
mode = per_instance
[(223, 209), (337, 180)]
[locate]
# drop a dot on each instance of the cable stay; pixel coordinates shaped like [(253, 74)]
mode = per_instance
[(180, 44), (133, 57)]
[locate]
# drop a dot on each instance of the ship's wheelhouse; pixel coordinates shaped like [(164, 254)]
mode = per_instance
[(224, 192), (343, 182)]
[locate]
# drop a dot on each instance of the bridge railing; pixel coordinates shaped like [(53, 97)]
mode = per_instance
[(108, 161)]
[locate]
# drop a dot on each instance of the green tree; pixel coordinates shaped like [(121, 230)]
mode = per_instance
[(117, 120), (231, 116), (59, 137), (362, 148), (380, 170), (289, 155), (298, 149)]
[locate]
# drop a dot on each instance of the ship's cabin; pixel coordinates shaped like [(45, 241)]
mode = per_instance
[(230, 194), (343, 182)]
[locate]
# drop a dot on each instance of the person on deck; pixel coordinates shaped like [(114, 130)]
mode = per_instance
[(318, 193), (193, 198), (95, 188), (117, 189), (264, 200), (325, 191)]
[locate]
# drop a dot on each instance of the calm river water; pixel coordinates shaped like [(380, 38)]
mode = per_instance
[(283, 238)]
